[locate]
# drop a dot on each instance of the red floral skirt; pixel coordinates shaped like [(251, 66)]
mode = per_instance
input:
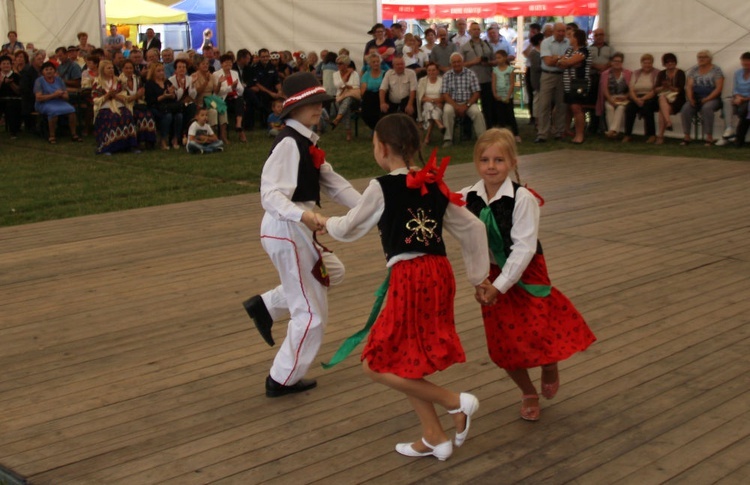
[(415, 334), (525, 331)]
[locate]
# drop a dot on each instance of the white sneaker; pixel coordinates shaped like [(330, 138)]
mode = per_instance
[(721, 142), (728, 133)]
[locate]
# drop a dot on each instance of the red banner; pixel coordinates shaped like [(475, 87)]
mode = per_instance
[(419, 9)]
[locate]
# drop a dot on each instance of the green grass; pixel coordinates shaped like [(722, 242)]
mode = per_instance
[(40, 182)]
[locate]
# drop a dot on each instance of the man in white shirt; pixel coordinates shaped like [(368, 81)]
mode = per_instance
[(462, 36), (398, 90)]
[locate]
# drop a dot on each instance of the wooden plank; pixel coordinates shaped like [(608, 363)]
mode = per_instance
[(131, 360)]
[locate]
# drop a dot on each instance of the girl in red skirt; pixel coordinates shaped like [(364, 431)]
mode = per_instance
[(415, 335), (531, 324)]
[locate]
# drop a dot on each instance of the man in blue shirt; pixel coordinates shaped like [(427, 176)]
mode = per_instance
[(551, 88)]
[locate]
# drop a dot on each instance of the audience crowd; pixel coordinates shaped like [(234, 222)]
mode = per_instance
[(132, 97)]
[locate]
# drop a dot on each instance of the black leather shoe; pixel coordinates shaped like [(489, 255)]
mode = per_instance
[(274, 389), (259, 313), (539, 139)]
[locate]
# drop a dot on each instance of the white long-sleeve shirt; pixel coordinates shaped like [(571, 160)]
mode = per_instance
[(278, 180), (523, 233), (458, 221)]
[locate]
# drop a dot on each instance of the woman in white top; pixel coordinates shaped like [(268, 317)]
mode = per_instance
[(348, 94), (186, 93), (430, 101), (230, 89), (114, 125)]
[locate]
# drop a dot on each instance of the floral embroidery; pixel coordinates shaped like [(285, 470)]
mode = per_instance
[(421, 227)]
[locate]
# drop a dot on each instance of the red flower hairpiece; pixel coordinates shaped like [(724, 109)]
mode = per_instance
[(432, 174)]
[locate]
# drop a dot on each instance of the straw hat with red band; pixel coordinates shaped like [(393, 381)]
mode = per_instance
[(300, 89)]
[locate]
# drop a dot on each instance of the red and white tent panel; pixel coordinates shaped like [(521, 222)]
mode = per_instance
[(423, 9)]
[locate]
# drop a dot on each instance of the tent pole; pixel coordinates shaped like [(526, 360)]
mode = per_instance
[(220, 36), (12, 15), (604, 16)]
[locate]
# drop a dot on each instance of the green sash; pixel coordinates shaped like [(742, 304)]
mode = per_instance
[(350, 343), (498, 250)]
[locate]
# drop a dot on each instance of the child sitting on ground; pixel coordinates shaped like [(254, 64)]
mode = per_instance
[(201, 138), (275, 123)]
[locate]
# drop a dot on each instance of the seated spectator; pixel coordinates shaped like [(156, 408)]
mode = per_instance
[(114, 125), (162, 101), (742, 129), (398, 91), (230, 89), (642, 100), (213, 63), (201, 138), (136, 55), (312, 61), (167, 58), (10, 96), (127, 49), (69, 70), (275, 122), (301, 64), (703, 92), (283, 69), (614, 87), (461, 92), (52, 101), (20, 60), (135, 100), (13, 43), (91, 71), (430, 101), (204, 85), (369, 87), (348, 94), (29, 75), (58, 57), (327, 69), (737, 103), (184, 90), (670, 88), (118, 60)]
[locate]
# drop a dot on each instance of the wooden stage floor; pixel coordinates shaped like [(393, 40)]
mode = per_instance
[(127, 356)]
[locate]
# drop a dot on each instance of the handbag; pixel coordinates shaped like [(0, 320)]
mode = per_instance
[(579, 87), (171, 107), (669, 95), (215, 102)]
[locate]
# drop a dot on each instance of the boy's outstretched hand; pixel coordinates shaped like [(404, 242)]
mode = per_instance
[(310, 219), (486, 294)]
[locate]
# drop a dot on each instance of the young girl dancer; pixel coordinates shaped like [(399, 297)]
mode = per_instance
[(415, 336), (531, 323)]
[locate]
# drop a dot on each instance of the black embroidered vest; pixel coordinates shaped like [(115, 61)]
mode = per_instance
[(308, 177), (411, 222), (502, 209)]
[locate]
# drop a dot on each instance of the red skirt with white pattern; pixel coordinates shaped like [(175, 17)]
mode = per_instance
[(415, 333), (525, 331)]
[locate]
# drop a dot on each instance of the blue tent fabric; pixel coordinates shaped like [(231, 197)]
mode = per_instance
[(201, 16)]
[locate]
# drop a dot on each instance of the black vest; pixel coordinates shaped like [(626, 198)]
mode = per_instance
[(411, 222), (308, 177), (502, 209)]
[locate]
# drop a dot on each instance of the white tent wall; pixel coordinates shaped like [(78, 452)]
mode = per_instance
[(682, 27), (296, 25), (52, 24), (4, 21)]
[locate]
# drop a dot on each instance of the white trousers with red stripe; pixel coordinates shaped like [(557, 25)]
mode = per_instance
[(292, 251), (275, 299)]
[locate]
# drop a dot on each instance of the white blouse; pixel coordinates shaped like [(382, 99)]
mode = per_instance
[(523, 233), (458, 221)]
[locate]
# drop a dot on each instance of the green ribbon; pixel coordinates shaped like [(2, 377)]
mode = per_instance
[(498, 250), (349, 344)]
